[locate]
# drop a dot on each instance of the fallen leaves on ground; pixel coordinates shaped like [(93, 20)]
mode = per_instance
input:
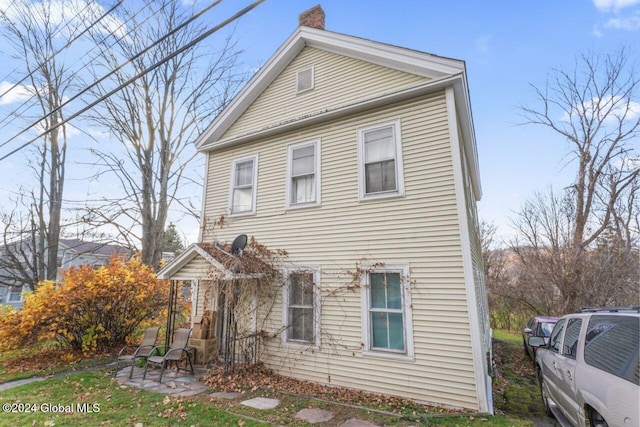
[(259, 377)]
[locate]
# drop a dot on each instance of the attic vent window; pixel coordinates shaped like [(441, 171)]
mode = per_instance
[(304, 80)]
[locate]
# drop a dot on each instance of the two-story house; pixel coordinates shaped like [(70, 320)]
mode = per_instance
[(357, 156)]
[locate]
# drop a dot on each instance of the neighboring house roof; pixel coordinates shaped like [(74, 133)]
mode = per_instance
[(99, 249), (442, 72)]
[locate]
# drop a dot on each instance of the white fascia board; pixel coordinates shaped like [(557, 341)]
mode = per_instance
[(184, 258), (177, 263), (386, 55), (256, 85), (407, 60), (465, 117)]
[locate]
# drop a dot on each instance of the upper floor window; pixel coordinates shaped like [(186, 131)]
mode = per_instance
[(242, 195), (301, 307), (380, 161), (386, 321), (303, 174)]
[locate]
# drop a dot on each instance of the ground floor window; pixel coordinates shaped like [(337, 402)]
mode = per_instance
[(386, 311), (301, 306)]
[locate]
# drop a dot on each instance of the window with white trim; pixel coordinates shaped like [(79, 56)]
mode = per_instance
[(15, 295), (380, 161), (301, 307), (386, 314), (242, 194), (303, 174)]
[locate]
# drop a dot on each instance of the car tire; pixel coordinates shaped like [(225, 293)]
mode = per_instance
[(545, 398), (524, 347), (596, 420)]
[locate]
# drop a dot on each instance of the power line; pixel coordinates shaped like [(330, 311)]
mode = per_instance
[(65, 46), (122, 65), (16, 110)]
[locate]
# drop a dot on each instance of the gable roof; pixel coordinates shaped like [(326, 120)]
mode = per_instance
[(442, 72)]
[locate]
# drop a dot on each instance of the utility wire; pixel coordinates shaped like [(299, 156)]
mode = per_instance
[(4, 14), (112, 72), (16, 111)]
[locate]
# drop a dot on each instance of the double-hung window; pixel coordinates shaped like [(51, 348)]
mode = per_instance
[(386, 313), (301, 307), (303, 174), (380, 161), (15, 295), (242, 195)]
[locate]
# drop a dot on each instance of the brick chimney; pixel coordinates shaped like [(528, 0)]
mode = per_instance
[(313, 17)]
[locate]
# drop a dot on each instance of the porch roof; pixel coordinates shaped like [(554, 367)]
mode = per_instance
[(204, 261)]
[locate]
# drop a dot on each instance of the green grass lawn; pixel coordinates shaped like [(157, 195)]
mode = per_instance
[(94, 398)]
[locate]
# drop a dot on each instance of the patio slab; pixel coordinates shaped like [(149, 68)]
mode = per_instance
[(261, 403), (174, 383)]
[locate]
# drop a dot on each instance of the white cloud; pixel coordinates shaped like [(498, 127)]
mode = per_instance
[(615, 5), (483, 44), (629, 24), (609, 110), (14, 94)]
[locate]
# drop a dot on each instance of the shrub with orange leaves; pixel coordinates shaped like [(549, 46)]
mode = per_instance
[(90, 309)]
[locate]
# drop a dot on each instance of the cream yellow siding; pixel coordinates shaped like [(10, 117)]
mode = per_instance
[(197, 268), (337, 80), (420, 230)]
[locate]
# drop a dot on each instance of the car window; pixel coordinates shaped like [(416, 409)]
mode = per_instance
[(544, 329), (612, 345), (556, 334), (530, 324), (570, 345)]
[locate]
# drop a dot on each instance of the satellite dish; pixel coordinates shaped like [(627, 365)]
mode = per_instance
[(238, 245)]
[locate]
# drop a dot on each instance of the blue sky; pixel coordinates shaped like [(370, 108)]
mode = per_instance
[(507, 45)]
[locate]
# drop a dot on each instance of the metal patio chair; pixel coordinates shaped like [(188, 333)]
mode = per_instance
[(143, 351), (175, 354)]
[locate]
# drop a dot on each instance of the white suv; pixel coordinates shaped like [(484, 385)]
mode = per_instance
[(589, 372)]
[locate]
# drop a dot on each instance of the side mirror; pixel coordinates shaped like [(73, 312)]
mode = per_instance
[(527, 330), (536, 342)]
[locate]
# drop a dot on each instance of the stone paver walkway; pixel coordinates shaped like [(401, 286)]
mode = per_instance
[(314, 415), (261, 403), (354, 422)]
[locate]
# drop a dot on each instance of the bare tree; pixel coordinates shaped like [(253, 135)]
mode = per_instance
[(37, 31), (577, 245), (156, 118), (596, 109), (19, 261)]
